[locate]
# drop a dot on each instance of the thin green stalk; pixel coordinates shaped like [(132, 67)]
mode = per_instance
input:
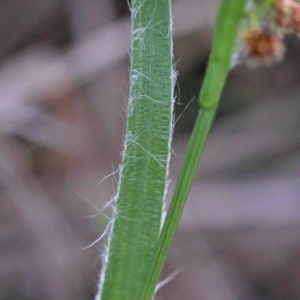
[(137, 220), (229, 16)]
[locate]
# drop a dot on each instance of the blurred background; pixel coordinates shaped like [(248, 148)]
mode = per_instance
[(64, 86)]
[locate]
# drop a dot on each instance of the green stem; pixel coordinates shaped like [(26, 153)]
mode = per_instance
[(229, 16), (142, 185)]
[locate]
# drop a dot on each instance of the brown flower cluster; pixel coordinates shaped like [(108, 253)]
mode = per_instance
[(287, 16), (261, 46), (264, 44)]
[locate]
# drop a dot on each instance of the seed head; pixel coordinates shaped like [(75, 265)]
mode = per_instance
[(261, 46), (287, 16)]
